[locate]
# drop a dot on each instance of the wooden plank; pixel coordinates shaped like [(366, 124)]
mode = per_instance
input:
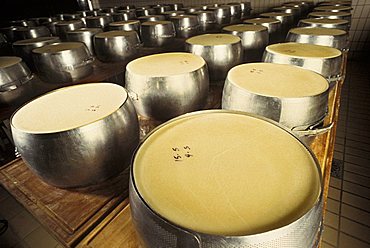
[(68, 213), (115, 231)]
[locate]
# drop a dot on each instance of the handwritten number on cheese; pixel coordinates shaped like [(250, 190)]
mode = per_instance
[(93, 108), (177, 157), (259, 71), (181, 153)]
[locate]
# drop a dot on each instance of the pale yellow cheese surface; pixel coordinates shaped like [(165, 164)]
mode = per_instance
[(165, 64), (300, 50), (120, 23), (35, 40), (9, 61), (277, 80), (245, 28), (324, 21), (116, 33), (235, 175), (153, 23), (70, 107), (83, 30), (66, 23), (324, 13), (213, 39), (95, 17), (261, 20), (59, 47), (331, 8), (270, 14), (318, 31)]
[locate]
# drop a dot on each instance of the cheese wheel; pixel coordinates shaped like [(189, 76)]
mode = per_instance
[(324, 21), (333, 8), (262, 21), (299, 50), (331, 15), (153, 23), (69, 108), (165, 64), (318, 31), (226, 173), (213, 39), (121, 23), (36, 40), (277, 14), (116, 33), (291, 81), (86, 30), (9, 61), (245, 28), (66, 23), (60, 47)]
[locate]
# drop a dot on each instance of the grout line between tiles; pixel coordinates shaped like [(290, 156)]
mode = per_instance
[(358, 156), (359, 165), (354, 237), (354, 183), (343, 190), (328, 244), (327, 210), (359, 174)]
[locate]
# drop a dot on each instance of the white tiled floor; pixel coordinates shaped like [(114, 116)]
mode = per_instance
[(347, 221)]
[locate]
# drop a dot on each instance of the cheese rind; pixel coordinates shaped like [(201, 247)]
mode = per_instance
[(69, 108), (300, 50), (226, 173), (119, 23), (165, 64), (116, 33), (245, 28), (325, 21), (325, 14), (59, 47), (262, 20), (290, 82), (9, 61), (35, 40), (153, 23), (213, 39), (318, 31)]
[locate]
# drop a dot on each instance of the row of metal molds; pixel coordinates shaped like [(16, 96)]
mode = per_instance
[(35, 27), (71, 61), (155, 33), (185, 171), (124, 45)]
